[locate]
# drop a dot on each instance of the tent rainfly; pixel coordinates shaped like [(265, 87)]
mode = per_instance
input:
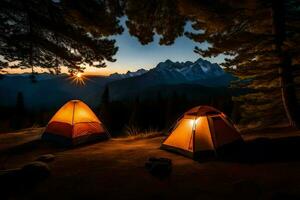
[(74, 123), (201, 132)]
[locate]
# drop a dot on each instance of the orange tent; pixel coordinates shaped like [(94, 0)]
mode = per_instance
[(74, 123), (201, 131)]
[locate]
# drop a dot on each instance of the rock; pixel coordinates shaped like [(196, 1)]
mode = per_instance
[(14, 181), (46, 158), (35, 171), (160, 167)]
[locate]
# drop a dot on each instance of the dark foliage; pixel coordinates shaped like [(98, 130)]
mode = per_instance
[(260, 39), (50, 35), (158, 113)]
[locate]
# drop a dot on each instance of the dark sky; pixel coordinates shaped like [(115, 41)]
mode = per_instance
[(132, 55)]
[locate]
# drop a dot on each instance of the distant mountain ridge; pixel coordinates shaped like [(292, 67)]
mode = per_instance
[(200, 72), (51, 90), (190, 71), (128, 74), (187, 71)]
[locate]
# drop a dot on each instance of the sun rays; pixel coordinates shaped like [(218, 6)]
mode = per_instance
[(78, 79)]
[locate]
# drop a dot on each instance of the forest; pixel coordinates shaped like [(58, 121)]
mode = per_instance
[(121, 118), (259, 38)]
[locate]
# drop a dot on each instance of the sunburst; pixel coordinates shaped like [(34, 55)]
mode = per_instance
[(78, 79)]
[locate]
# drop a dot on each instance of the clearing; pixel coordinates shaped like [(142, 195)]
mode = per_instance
[(115, 169)]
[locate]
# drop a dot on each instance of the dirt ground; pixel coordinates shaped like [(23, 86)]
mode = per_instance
[(115, 169)]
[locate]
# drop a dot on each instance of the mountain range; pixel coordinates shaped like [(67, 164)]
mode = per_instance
[(200, 72), (51, 90), (182, 71), (128, 74)]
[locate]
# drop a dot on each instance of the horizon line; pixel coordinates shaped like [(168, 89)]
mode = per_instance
[(90, 72)]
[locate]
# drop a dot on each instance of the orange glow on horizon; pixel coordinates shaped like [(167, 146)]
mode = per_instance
[(78, 79), (79, 75), (88, 71), (91, 72)]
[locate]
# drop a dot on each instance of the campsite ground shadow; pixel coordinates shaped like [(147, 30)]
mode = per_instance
[(264, 150), (31, 146), (14, 182)]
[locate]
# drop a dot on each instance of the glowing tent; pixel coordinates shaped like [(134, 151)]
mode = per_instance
[(74, 123), (201, 131)]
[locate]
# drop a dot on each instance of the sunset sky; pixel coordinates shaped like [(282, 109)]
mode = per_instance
[(132, 55)]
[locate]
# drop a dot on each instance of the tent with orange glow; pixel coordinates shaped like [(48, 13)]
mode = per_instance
[(200, 132), (74, 123)]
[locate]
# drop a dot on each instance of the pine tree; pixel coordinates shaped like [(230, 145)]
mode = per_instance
[(20, 110), (20, 107), (47, 34), (105, 108), (260, 39), (149, 17), (160, 111), (171, 109), (105, 96), (134, 120)]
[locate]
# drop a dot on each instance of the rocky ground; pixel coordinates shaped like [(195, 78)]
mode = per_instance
[(115, 169)]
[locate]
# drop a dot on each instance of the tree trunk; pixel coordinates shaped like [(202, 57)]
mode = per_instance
[(288, 92)]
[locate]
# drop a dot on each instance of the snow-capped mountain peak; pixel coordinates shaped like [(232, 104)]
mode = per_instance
[(128, 74), (200, 69), (177, 71)]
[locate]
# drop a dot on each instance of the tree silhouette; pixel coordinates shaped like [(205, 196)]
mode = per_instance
[(160, 111), (260, 39), (20, 107), (68, 33), (20, 111), (135, 117), (147, 17), (105, 108), (172, 109)]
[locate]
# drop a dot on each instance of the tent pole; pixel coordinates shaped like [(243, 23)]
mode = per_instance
[(73, 113)]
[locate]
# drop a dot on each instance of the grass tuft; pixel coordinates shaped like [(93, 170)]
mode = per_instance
[(133, 132)]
